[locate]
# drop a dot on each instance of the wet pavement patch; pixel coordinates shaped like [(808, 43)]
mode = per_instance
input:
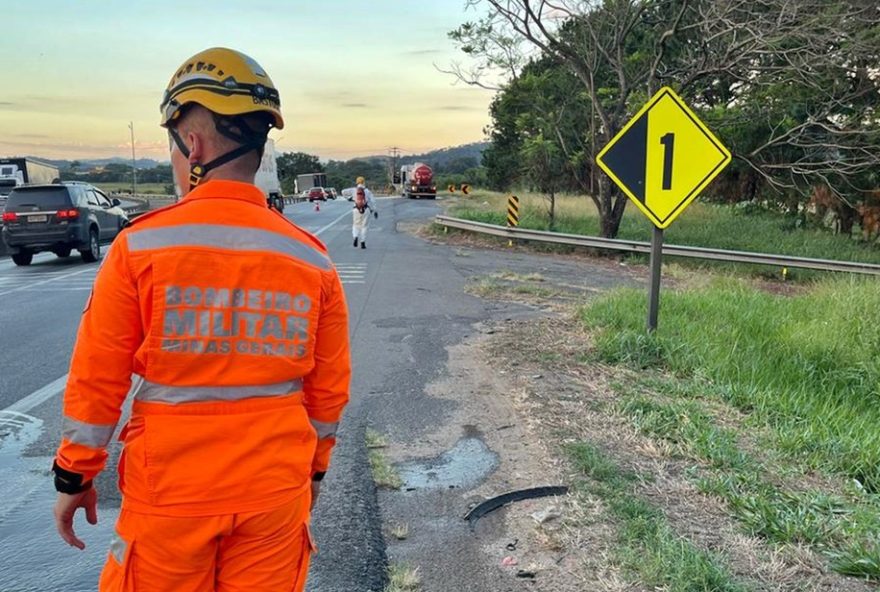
[(465, 465), (34, 556)]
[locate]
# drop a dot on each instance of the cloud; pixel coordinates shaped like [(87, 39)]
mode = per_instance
[(422, 52), (455, 108), (6, 104), (31, 136), (355, 105)]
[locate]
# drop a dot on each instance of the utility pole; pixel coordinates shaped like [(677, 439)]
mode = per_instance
[(394, 152), (133, 166)]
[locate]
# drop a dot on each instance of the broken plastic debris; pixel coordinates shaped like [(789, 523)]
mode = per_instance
[(546, 515), (509, 561)]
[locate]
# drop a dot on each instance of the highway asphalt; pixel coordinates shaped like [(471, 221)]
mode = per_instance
[(407, 305)]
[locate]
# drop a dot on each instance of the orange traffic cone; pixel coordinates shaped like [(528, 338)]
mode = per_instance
[(317, 206)]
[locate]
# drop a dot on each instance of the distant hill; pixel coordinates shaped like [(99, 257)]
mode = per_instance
[(445, 155), (141, 163), (456, 159)]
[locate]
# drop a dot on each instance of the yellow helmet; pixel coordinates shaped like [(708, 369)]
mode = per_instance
[(224, 81), (360, 181)]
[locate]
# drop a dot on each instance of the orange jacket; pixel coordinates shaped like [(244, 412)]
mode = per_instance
[(236, 321)]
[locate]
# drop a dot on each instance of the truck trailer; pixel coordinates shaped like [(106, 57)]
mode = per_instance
[(309, 180), (24, 171), (267, 177)]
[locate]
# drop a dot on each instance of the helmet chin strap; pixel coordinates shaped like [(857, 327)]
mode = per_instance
[(229, 127)]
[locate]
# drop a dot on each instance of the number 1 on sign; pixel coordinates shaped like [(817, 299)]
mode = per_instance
[(668, 142)]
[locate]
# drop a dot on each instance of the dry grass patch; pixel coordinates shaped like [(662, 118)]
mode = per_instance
[(384, 473), (402, 578)]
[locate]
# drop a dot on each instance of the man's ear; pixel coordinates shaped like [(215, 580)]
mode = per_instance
[(196, 147)]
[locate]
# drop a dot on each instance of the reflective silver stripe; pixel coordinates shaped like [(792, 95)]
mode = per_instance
[(236, 238), (118, 546), (324, 429), (87, 434), (152, 392)]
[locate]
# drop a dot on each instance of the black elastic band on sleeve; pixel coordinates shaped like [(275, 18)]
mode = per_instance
[(68, 481), (319, 476)]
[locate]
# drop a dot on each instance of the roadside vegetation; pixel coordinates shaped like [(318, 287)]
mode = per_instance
[(701, 225), (763, 405), (803, 371), (648, 546), (802, 128), (142, 188)]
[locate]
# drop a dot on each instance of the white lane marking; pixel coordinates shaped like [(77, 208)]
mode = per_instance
[(38, 397), (28, 289), (46, 281), (341, 216)]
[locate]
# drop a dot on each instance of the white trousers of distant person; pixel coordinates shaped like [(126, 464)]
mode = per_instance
[(359, 223)]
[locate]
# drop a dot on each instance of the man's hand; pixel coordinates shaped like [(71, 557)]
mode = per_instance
[(316, 491), (65, 508)]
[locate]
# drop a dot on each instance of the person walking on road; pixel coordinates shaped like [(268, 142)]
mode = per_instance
[(364, 206), (235, 322)]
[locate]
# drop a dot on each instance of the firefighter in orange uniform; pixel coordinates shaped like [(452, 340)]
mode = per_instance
[(234, 322)]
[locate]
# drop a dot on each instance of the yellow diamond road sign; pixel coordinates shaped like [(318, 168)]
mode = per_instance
[(663, 158)]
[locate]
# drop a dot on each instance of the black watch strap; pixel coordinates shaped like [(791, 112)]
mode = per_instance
[(69, 482)]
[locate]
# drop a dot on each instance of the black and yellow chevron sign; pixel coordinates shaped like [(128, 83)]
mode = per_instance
[(663, 158), (451, 188), (513, 211), (465, 188)]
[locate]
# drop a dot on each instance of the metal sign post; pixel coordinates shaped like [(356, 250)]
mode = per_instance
[(654, 293), (662, 159)]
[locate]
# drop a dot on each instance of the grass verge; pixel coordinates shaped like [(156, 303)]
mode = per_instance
[(803, 371), (648, 546)]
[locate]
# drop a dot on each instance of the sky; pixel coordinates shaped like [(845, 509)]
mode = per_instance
[(355, 77)]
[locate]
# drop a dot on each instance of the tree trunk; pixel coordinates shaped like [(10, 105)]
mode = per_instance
[(552, 210), (611, 213)]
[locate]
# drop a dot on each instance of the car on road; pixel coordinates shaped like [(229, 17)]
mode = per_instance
[(59, 218), (316, 193), (348, 193), (331, 192)]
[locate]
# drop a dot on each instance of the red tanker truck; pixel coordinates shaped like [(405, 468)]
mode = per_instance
[(417, 180)]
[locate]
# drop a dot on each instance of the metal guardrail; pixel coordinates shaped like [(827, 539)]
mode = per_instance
[(135, 205), (596, 242)]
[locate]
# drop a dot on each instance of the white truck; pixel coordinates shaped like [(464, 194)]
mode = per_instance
[(267, 177), (24, 171), (310, 180)]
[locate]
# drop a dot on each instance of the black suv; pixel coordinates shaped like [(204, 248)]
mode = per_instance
[(59, 218)]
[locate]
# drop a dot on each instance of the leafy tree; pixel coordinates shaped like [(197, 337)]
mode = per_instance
[(545, 167), (343, 173), (791, 87), (291, 164)]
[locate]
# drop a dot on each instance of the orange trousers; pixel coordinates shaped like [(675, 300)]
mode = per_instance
[(253, 552)]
